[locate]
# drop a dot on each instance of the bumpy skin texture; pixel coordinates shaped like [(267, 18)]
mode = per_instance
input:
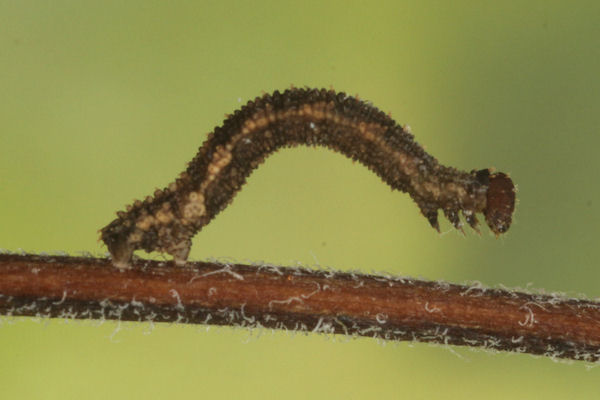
[(168, 221)]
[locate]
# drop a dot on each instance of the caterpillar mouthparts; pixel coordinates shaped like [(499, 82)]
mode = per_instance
[(168, 220)]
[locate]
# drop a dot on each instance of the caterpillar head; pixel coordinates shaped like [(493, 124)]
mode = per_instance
[(500, 203)]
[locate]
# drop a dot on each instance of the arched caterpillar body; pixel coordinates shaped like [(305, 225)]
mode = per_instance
[(168, 221)]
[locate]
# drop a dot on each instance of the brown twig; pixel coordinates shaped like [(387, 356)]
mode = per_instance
[(385, 307)]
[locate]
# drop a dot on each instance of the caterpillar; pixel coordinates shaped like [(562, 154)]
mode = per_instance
[(167, 221)]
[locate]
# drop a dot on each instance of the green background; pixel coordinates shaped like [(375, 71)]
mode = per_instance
[(101, 102)]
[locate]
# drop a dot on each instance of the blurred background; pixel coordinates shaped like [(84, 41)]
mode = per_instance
[(102, 102)]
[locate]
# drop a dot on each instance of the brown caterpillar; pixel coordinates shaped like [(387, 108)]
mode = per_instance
[(168, 221)]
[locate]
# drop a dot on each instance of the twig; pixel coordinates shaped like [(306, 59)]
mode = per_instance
[(389, 308)]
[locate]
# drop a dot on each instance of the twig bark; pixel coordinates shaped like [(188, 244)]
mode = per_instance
[(385, 307)]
